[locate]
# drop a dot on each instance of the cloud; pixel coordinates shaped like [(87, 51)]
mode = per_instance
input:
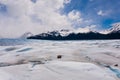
[(101, 13), (82, 30), (86, 29), (34, 16), (74, 15), (67, 1), (75, 18), (37, 16), (78, 22)]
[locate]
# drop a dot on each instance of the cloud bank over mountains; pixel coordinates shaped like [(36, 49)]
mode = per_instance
[(20, 16), (38, 16)]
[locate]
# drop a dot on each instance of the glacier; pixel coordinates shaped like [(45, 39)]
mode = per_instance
[(22, 59)]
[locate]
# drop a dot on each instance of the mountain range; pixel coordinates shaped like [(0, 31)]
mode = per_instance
[(112, 33)]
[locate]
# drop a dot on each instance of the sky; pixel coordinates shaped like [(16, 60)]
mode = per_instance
[(36, 16), (99, 12)]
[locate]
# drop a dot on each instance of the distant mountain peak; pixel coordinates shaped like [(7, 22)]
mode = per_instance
[(115, 27), (27, 34)]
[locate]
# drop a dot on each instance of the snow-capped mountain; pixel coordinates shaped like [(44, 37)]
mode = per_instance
[(115, 28), (65, 35), (80, 34), (64, 32), (27, 34)]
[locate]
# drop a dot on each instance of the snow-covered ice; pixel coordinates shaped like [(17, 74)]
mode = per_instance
[(81, 60)]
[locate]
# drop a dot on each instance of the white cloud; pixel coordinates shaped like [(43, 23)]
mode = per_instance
[(80, 24), (82, 30), (67, 1), (74, 15), (101, 13), (75, 18), (25, 16), (38, 16), (86, 29)]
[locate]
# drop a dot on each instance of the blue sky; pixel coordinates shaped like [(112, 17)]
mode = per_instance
[(102, 12)]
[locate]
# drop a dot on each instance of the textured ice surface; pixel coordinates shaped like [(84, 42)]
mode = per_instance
[(37, 59)]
